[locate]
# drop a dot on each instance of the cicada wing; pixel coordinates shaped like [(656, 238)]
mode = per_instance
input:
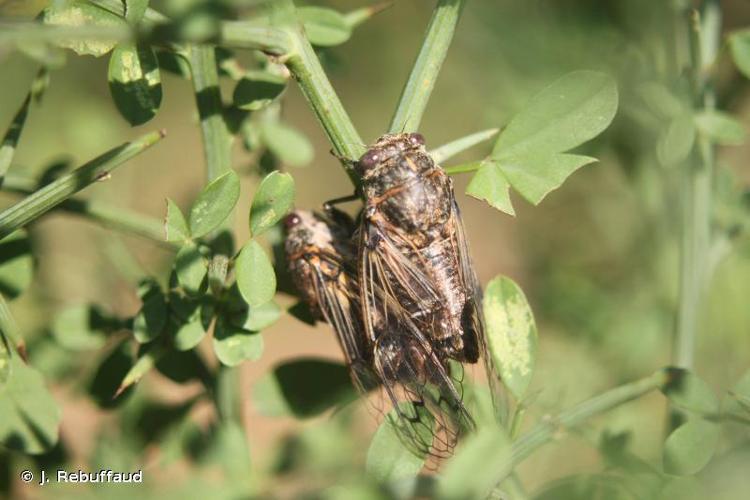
[(340, 308), (473, 317)]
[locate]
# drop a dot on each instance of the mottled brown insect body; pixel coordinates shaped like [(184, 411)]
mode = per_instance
[(413, 244)]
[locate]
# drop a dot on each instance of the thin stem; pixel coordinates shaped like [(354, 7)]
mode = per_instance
[(245, 35), (107, 215), (51, 195), (704, 39), (305, 66), (451, 149), (424, 73), (546, 431), (9, 329), (463, 168)]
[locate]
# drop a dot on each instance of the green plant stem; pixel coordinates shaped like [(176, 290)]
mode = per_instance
[(9, 329), (546, 431), (105, 214), (451, 149), (245, 35), (305, 66), (51, 195), (704, 38), (424, 73), (463, 168)]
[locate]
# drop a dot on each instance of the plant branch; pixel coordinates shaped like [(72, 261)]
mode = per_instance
[(463, 168), (305, 66), (105, 214), (424, 73), (9, 329), (56, 192), (451, 149), (546, 431)]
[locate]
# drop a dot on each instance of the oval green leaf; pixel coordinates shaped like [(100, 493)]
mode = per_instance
[(273, 200), (511, 334), (721, 127), (16, 264), (191, 268), (189, 334), (689, 392), (152, 318), (255, 276), (257, 318), (29, 416), (234, 345), (324, 27), (303, 388), (690, 447), (737, 402), (214, 204), (287, 144), (676, 142), (489, 184), (572, 110), (76, 13), (258, 89), (175, 225), (135, 82), (739, 44)]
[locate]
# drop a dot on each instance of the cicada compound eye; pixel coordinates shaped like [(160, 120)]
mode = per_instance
[(416, 139), (291, 220), (369, 160)]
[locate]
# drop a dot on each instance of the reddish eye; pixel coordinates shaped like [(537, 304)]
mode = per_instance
[(369, 160), (416, 139), (291, 220)]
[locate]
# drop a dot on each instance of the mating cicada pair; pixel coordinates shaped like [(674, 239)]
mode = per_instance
[(398, 288)]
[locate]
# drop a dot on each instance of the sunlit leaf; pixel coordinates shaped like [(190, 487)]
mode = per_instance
[(29, 416), (175, 225), (257, 318), (688, 391), (272, 201), (491, 185), (677, 140), (16, 264), (739, 44), (303, 388), (152, 317), (135, 82), (324, 27), (82, 13), (214, 204), (189, 334), (255, 276), (472, 471), (257, 90), (134, 10), (235, 345), (721, 127), (287, 144), (690, 447), (511, 334), (534, 176), (191, 267)]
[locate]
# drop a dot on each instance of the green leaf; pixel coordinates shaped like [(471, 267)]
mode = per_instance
[(572, 110), (255, 277), (29, 416), (214, 204), (738, 399), (739, 44), (689, 392), (16, 264), (145, 362), (490, 184), (303, 388), (690, 447), (134, 10), (676, 142), (76, 13), (535, 176), (721, 127), (273, 200), (234, 345), (257, 318), (175, 225), (135, 82), (110, 373), (324, 27), (287, 144), (388, 459), (81, 327), (511, 334), (189, 334), (479, 458), (258, 89), (152, 318), (191, 268)]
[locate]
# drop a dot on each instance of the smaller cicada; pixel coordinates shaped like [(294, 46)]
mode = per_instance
[(425, 394)]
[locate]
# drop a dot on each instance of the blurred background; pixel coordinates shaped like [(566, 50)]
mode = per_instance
[(598, 259)]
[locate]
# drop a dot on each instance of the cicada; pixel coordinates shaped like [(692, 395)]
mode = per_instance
[(413, 247), (397, 357)]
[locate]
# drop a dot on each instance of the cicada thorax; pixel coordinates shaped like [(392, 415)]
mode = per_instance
[(411, 220)]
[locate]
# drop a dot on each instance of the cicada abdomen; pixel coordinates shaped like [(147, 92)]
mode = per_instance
[(396, 356)]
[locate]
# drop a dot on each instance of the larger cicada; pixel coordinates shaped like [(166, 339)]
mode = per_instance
[(397, 357), (413, 246)]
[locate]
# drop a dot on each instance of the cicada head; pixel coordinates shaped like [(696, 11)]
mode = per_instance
[(387, 147)]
